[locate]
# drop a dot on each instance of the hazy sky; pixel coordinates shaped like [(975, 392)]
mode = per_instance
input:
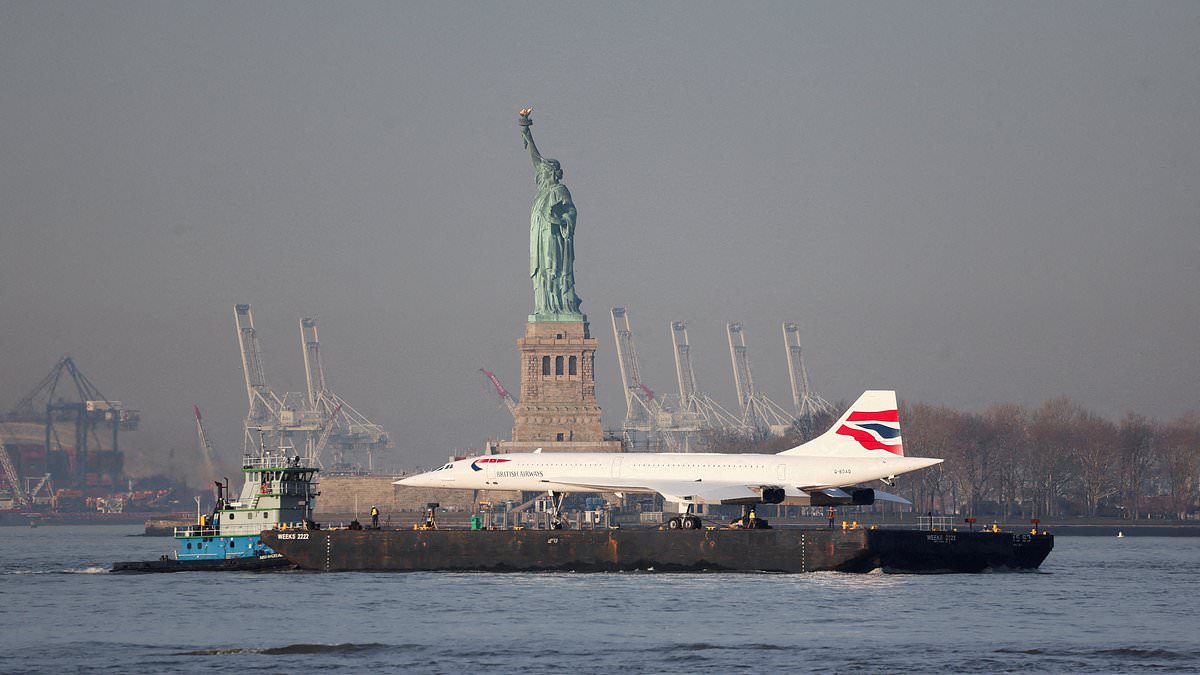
[(967, 202)]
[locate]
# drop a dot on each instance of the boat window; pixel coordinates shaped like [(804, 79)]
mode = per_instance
[(231, 516), (189, 544)]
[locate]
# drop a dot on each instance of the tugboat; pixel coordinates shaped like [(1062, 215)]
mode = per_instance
[(279, 494)]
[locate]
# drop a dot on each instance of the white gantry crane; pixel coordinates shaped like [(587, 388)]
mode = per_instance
[(15, 484), (505, 397), (758, 411), (273, 422), (640, 406), (693, 401), (344, 430), (808, 405), (651, 422)]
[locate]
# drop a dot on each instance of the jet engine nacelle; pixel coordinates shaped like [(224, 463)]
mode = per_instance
[(772, 495), (855, 497)]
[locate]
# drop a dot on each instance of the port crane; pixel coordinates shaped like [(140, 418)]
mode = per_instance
[(206, 450), (69, 429), (344, 429), (808, 404), (691, 399), (758, 412), (651, 421), (640, 406), (19, 498), (329, 429), (505, 397), (272, 421)]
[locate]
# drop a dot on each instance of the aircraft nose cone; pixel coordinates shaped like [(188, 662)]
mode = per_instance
[(424, 480)]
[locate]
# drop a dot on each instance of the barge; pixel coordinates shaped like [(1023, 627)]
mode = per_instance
[(625, 550)]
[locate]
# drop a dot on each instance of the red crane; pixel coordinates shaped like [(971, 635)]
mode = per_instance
[(505, 397)]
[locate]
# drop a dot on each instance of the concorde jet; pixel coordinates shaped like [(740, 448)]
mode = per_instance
[(863, 445)]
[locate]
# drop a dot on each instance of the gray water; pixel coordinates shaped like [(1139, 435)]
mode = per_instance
[(1097, 605)]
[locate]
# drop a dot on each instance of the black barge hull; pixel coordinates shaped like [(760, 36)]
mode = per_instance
[(248, 564), (778, 550)]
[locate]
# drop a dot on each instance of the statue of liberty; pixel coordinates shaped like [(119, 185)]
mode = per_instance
[(551, 238)]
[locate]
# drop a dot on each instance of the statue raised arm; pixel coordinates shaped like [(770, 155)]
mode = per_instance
[(527, 136)]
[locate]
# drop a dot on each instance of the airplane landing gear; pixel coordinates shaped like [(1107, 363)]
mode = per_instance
[(686, 522), (556, 522)]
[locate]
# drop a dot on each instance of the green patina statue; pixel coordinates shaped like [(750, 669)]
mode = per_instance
[(551, 238)]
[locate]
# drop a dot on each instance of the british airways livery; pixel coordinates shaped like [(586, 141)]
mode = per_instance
[(864, 445)]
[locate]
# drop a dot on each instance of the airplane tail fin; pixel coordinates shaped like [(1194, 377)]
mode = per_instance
[(869, 427)]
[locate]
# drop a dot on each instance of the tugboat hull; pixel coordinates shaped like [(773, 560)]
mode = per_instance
[(730, 550), (247, 564)]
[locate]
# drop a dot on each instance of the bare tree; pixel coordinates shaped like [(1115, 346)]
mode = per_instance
[(1138, 439), (1179, 455), (928, 434), (1096, 455), (1052, 444), (1009, 436)]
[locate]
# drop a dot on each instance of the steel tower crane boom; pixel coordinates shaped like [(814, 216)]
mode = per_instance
[(505, 397), (796, 375), (314, 372), (12, 476), (683, 361), (263, 403), (637, 399), (692, 400), (326, 433), (206, 451), (758, 411), (806, 402), (337, 423), (741, 366)]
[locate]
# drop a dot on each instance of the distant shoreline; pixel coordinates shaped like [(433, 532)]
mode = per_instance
[(1131, 530)]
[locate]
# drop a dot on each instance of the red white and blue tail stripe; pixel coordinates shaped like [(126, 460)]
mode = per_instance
[(871, 426)]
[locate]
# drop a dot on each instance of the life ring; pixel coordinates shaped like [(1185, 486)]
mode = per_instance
[(264, 488)]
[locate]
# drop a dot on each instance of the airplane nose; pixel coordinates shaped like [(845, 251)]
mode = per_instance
[(424, 480)]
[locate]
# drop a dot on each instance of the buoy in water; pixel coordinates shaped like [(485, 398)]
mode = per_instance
[(1120, 535)]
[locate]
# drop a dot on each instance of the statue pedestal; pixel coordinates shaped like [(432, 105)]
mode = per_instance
[(558, 411)]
